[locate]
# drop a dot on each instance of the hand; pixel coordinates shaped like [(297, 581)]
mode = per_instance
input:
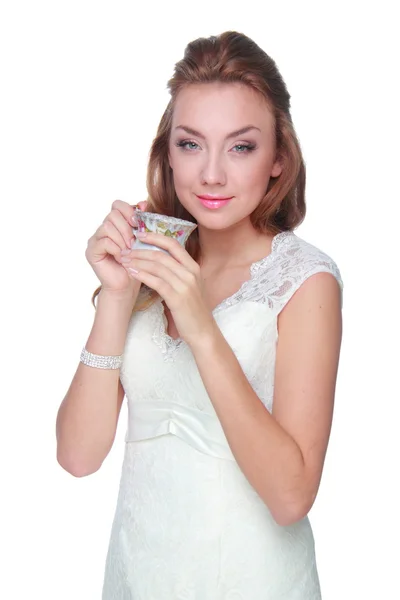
[(176, 277), (104, 250)]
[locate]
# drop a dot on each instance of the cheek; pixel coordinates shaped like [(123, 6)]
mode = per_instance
[(184, 173), (255, 173)]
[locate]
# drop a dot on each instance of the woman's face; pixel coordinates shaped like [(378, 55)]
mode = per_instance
[(210, 152)]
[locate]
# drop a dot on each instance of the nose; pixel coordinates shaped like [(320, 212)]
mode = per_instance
[(213, 171)]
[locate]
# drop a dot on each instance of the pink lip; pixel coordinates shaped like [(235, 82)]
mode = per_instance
[(214, 198), (213, 202)]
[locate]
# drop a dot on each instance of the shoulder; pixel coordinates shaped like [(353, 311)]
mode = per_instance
[(307, 354), (296, 261), (299, 256)]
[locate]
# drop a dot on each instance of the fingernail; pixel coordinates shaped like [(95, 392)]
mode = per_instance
[(141, 234), (125, 251), (131, 270)]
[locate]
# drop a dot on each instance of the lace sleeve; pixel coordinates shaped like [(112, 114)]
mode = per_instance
[(300, 261)]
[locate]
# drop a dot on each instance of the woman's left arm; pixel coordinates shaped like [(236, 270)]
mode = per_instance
[(282, 454)]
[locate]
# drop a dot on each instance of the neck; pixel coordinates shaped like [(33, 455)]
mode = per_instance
[(238, 245)]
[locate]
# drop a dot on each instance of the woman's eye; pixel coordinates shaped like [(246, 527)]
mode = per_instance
[(243, 148), (187, 145), (238, 149)]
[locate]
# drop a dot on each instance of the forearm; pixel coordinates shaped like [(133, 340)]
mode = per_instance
[(268, 456), (88, 415)]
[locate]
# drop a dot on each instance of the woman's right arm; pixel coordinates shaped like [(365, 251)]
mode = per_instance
[(88, 416)]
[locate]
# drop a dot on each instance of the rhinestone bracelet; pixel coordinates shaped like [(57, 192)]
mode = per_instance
[(99, 361)]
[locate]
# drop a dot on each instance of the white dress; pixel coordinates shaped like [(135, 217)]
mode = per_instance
[(188, 525)]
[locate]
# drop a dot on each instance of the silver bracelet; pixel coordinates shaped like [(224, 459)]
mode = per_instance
[(99, 361)]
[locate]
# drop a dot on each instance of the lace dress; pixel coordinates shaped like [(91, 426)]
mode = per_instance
[(188, 525)]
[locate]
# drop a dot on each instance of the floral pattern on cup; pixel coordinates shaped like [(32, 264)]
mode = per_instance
[(178, 229)]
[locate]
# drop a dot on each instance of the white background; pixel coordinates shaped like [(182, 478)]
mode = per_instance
[(83, 86)]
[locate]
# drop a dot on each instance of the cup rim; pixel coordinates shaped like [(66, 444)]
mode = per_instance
[(166, 218)]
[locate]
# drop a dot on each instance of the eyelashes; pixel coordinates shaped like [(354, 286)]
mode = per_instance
[(184, 145), (244, 148)]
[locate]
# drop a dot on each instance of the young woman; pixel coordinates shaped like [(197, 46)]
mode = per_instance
[(227, 350)]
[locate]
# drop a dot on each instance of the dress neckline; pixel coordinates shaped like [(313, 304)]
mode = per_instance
[(170, 342)]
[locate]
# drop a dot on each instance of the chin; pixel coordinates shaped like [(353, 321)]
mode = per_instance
[(220, 222)]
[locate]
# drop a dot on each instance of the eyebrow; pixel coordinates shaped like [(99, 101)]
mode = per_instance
[(229, 136)]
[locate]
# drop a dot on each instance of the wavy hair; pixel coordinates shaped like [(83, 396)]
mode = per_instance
[(229, 58)]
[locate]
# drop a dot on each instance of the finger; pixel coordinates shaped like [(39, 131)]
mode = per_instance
[(98, 248), (109, 230), (158, 263), (112, 248), (124, 228), (142, 205), (173, 247), (157, 277), (126, 210)]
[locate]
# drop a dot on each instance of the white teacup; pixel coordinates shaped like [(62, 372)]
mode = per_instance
[(178, 229)]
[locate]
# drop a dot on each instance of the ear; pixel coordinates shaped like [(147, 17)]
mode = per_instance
[(276, 169)]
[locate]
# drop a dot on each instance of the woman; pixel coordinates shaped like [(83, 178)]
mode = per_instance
[(227, 350)]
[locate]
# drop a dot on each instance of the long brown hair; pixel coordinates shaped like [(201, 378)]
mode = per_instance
[(228, 58)]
